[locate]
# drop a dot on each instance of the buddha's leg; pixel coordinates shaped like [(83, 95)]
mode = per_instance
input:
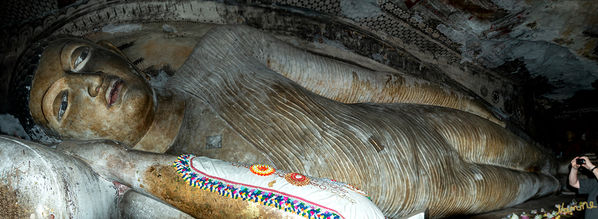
[(474, 188), (448, 184), (452, 186), (479, 141), (431, 175)]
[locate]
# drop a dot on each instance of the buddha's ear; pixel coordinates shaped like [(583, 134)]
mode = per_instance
[(108, 45)]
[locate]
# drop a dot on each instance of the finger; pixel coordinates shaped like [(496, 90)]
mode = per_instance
[(587, 160)]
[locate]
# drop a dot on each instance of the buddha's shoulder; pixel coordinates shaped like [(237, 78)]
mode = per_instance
[(230, 34)]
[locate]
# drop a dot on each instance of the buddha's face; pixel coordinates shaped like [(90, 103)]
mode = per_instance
[(83, 90)]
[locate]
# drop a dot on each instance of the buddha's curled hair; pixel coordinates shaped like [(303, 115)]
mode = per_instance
[(20, 89)]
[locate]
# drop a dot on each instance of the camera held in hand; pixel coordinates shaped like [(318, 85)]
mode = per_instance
[(580, 161)]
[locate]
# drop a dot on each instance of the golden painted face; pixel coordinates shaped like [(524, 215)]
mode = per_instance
[(83, 90)]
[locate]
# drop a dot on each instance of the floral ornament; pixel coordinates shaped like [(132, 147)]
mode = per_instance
[(296, 179), (262, 170)]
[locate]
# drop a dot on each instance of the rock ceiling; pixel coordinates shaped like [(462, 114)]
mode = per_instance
[(554, 39)]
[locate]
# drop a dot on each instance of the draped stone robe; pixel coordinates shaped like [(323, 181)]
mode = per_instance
[(407, 157)]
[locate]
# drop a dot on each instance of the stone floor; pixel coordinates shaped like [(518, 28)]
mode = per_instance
[(548, 203)]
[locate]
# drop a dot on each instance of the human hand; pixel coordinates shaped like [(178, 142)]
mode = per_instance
[(588, 165), (574, 164)]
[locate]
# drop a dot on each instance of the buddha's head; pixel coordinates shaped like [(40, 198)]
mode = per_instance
[(77, 89)]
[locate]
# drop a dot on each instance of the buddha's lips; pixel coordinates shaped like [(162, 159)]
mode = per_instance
[(114, 92)]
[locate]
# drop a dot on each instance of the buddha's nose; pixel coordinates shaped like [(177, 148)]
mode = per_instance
[(94, 84), (90, 81)]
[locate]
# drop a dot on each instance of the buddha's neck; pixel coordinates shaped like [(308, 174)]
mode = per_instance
[(165, 126)]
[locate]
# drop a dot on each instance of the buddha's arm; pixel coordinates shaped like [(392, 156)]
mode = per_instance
[(345, 82), (154, 175)]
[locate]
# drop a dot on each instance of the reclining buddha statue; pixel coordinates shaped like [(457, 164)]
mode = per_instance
[(245, 96)]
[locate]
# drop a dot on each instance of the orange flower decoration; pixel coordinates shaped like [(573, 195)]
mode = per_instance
[(262, 170), (296, 179)]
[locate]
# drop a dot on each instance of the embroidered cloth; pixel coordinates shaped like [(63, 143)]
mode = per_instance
[(292, 192)]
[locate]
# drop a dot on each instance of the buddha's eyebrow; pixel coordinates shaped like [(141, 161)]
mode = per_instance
[(126, 45), (138, 61)]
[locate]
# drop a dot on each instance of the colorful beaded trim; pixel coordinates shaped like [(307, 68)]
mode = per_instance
[(262, 170), (264, 196), (296, 179)]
